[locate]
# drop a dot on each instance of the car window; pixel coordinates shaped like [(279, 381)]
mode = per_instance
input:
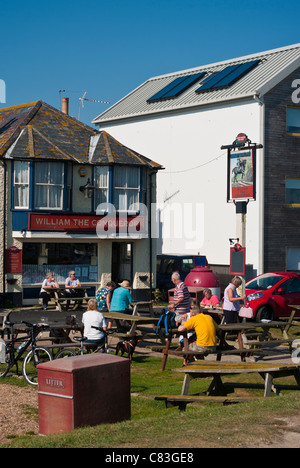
[(264, 282), (292, 285), (187, 265), (170, 265)]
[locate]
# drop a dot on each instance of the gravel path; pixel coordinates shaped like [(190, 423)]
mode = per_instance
[(16, 414)]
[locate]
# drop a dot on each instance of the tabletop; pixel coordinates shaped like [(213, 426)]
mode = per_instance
[(207, 367), (250, 325), (134, 319)]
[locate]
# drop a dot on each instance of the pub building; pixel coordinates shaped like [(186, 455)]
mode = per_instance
[(72, 198)]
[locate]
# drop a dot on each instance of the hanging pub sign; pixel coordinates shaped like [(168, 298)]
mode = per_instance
[(241, 168)]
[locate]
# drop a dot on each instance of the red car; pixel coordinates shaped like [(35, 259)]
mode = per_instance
[(270, 294)]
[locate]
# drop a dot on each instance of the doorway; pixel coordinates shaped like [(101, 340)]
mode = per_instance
[(122, 261)]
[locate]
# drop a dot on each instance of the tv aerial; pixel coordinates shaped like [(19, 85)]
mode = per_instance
[(83, 98)]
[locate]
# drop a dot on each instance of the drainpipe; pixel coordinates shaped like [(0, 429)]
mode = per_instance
[(150, 235), (261, 165), (3, 162)]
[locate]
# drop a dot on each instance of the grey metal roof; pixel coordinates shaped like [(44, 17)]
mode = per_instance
[(275, 65)]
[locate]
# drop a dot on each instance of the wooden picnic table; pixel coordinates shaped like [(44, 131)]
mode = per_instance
[(295, 309), (214, 312), (135, 320), (61, 300), (216, 370), (266, 339), (244, 345)]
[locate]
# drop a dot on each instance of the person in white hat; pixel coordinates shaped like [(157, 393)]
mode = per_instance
[(121, 299)]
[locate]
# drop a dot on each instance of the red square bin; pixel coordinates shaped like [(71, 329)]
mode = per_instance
[(83, 391)]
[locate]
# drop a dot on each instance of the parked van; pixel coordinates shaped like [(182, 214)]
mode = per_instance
[(167, 264)]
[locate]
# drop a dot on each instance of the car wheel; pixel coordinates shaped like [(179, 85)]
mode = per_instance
[(264, 313)]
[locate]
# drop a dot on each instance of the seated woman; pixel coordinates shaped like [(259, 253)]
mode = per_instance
[(92, 320), (209, 299), (46, 293)]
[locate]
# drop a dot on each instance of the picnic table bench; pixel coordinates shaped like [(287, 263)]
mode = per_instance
[(217, 389), (182, 400)]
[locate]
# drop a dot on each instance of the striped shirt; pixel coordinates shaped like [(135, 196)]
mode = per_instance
[(181, 291)]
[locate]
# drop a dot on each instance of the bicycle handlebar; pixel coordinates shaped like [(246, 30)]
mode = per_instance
[(98, 328)]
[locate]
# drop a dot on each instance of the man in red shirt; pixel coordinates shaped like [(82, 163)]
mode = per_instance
[(181, 304)]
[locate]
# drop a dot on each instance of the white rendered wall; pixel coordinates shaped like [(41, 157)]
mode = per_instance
[(194, 181)]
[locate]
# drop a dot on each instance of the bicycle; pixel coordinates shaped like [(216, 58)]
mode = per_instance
[(69, 352), (36, 355)]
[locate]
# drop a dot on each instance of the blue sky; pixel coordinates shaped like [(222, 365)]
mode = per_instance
[(108, 48)]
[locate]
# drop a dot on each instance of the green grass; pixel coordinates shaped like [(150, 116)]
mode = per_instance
[(154, 426)]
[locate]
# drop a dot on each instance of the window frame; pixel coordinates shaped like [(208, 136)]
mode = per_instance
[(48, 185), (127, 189), (107, 187), (292, 133), (15, 185), (286, 198), (66, 190)]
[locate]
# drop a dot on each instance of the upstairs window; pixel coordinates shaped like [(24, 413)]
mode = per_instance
[(21, 184), (49, 185), (292, 191), (293, 120), (126, 188), (101, 181)]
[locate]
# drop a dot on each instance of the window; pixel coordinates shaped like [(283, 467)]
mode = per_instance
[(264, 282), (291, 286), (101, 181), (40, 258), (49, 184), (126, 188), (21, 184), (292, 191), (187, 265), (293, 120), (293, 259)]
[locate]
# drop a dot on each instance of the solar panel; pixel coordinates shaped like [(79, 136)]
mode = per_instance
[(176, 87), (228, 76), (215, 78), (235, 75)]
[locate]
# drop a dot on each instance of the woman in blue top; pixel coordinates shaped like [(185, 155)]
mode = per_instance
[(121, 299)]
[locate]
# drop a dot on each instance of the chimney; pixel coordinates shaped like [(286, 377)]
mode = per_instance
[(65, 105)]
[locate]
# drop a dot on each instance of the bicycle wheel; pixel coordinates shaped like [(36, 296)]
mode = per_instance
[(64, 353), (31, 360)]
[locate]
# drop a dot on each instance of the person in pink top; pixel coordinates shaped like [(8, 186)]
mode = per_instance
[(209, 299)]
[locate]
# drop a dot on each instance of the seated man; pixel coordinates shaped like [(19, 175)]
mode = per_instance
[(205, 328), (73, 288)]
